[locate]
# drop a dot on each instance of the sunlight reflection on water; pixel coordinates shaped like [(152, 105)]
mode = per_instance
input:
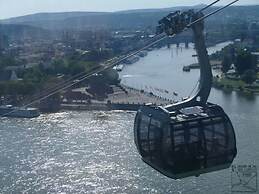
[(73, 152)]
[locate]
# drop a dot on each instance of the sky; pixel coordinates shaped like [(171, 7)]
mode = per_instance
[(13, 8)]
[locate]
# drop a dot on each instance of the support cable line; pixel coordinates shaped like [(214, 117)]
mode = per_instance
[(208, 6), (212, 13)]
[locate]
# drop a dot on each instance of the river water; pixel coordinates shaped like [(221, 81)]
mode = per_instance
[(92, 152)]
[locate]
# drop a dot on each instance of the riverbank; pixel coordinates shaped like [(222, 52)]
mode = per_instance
[(101, 107), (126, 97), (122, 98), (215, 64)]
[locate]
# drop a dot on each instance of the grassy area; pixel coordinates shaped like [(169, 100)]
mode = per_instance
[(226, 83)]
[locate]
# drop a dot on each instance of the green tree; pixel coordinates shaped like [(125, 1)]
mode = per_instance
[(249, 76), (59, 66), (75, 68), (226, 64), (111, 76), (245, 61), (28, 88), (34, 75), (7, 61), (2, 89), (17, 88)]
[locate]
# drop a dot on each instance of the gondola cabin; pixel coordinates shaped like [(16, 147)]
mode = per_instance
[(186, 142)]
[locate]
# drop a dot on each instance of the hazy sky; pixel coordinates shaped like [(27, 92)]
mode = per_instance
[(11, 8)]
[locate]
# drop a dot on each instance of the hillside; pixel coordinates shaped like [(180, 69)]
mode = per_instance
[(19, 31), (129, 20), (82, 20)]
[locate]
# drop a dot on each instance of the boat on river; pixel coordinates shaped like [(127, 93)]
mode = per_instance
[(119, 67), (186, 69), (143, 54), (21, 112), (132, 60)]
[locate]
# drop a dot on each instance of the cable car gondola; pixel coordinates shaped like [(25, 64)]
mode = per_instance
[(194, 136), (185, 142)]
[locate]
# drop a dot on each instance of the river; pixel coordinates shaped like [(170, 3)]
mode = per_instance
[(92, 152)]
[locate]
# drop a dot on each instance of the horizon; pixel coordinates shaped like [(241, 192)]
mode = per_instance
[(39, 8)]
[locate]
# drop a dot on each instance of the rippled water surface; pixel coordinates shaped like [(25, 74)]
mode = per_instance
[(91, 152)]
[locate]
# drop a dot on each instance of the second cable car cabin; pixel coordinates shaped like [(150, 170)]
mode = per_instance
[(186, 142), (192, 137)]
